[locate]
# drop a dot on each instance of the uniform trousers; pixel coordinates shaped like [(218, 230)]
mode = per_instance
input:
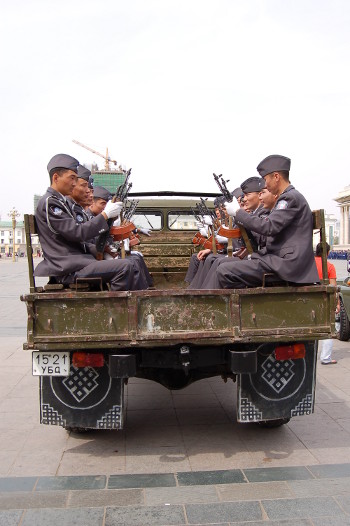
[(234, 273), (120, 273), (192, 268), (139, 263), (204, 270)]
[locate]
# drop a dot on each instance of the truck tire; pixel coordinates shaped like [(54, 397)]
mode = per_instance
[(76, 429), (344, 330), (273, 423)]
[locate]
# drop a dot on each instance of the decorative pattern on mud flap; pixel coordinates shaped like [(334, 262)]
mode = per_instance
[(50, 416), (304, 407), (277, 374), (248, 411), (81, 382), (112, 419)]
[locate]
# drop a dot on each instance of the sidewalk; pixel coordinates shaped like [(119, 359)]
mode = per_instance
[(182, 458), (194, 429), (302, 495)]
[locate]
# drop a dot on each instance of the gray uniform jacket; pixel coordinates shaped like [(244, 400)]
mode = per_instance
[(288, 230), (62, 238), (81, 216)]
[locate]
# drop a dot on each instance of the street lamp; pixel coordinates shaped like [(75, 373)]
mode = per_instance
[(13, 214)]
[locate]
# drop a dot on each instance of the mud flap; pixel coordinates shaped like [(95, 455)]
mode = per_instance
[(87, 398), (279, 389)]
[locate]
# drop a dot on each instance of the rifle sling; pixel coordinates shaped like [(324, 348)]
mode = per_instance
[(246, 239)]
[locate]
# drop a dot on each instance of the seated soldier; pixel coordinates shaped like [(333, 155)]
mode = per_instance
[(248, 193), (100, 198), (288, 229), (62, 237), (202, 261)]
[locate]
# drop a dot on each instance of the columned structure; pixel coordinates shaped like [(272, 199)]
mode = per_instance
[(344, 202)]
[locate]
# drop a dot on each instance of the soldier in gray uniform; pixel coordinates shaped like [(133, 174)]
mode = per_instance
[(62, 240), (78, 199), (288, 251), (249, 189), (80, 196), (201, 262), (100, 198)]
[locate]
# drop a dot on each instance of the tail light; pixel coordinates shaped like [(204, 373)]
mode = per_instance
[(86, 359), (290, 352)]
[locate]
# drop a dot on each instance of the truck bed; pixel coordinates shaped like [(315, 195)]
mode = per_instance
[(158, 318)]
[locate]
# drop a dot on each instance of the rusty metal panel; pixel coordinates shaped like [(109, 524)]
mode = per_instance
[(101, 320), (78, 317), (168, 237), (184, 313), (169, 262), (167, 250), (285, 310)]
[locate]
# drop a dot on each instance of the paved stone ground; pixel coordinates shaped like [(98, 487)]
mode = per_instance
[(182, 458), (313, 495)]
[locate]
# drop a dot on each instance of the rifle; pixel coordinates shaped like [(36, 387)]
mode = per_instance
[(208, 212), (120, 195), (123, 190), (129, 210), (220, 181), (195, 212), (204, 211)]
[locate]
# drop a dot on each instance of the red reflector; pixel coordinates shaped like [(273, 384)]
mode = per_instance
[(85, 359), (287, 352)]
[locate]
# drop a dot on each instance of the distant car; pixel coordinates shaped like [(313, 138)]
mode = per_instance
[(344, 323)]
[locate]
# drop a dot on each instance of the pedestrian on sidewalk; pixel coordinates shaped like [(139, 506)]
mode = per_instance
[(326, 346)]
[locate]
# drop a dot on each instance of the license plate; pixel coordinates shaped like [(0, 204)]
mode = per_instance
[(50, 364)]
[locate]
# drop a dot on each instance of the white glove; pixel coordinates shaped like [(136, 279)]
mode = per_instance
[(231, 208), (199, 224), (113, 209), (126, 244), (145, 231), (207, 220), (203, 231), (221, 239)]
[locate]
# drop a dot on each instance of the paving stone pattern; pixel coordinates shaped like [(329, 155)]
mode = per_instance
[(182, 458), (279, 498)]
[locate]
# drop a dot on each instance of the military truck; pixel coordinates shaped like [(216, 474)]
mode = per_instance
[(86, 344)]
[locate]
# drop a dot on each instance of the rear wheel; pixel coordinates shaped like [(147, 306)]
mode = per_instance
[(76, 429), (344, 330), (273, 423)]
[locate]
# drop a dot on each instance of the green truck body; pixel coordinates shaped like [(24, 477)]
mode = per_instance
[(176, 336)]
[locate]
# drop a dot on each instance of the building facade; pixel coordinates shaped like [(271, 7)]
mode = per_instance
[(8, 243), (110, 180), (332, 229), (343, 199)]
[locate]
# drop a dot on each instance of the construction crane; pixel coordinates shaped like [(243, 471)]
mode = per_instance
[(105, 157)]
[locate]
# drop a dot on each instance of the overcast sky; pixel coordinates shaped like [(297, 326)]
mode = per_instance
[(177, 90)]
